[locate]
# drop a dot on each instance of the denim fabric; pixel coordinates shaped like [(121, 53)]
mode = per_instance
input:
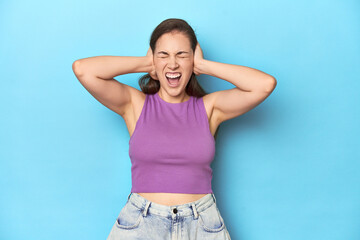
[(146, 220)]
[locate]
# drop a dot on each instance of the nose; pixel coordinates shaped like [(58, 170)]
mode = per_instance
[(172, 63)]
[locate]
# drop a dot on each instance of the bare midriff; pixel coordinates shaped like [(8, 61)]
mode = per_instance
[(170, 199)]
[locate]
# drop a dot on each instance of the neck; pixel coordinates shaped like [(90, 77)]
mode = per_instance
[(183, 97)]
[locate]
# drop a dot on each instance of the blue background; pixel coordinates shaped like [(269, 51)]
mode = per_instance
[(288, 169)]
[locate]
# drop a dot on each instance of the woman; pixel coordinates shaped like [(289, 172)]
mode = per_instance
[(172, 124)]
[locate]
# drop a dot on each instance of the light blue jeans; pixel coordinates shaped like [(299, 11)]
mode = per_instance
[(147, 220)]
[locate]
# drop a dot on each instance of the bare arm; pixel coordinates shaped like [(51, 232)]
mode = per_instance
[(245, 78), (97, 74), (108, 67), (252, 86)]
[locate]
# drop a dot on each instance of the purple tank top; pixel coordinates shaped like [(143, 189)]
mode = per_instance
[(171, 148)]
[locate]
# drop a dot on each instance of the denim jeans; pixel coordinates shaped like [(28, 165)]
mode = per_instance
[(147, 220)]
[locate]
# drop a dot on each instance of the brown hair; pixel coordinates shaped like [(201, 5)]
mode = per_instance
[(150, 86)]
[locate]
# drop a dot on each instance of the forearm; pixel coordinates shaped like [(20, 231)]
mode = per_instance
[(245, 78), (108, 67)]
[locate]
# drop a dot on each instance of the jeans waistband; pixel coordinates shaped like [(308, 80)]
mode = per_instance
[(186, 209)]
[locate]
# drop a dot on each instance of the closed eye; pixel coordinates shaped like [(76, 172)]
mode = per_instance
[(179, 57), (181, 54)]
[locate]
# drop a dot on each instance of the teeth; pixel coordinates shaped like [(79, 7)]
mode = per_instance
[(173, 75)]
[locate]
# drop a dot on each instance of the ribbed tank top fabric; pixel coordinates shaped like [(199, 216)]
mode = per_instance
[(171, 148)]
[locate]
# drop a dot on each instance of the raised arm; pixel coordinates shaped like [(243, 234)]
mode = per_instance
[(252, 86), (97, 74)]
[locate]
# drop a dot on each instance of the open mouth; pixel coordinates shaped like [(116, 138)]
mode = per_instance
[(173, 80)]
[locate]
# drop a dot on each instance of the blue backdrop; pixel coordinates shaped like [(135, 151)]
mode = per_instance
[(288, 169)]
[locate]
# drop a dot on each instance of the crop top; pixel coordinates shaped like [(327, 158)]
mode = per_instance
[(171, 148)]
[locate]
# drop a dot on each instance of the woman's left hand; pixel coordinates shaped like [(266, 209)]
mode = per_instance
[(198, 57)]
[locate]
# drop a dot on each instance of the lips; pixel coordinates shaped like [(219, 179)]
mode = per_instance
[(173, 82), (172, 74)]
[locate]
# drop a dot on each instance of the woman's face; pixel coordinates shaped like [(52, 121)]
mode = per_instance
[(173, 54)]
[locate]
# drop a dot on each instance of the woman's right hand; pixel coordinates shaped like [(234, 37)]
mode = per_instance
[(152, 72)]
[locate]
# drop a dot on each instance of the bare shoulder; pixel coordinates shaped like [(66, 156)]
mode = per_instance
[(133, 110), (137, 96), (212, 114), (209, 104), (227, 104)]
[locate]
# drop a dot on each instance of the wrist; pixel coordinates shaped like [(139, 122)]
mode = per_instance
[(145, 64)]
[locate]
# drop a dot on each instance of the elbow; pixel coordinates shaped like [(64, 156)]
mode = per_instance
[(76, 68), (270, 85)]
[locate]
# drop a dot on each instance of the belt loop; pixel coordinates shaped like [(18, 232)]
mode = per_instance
[(213, 195), (146, 208), (194, 210)]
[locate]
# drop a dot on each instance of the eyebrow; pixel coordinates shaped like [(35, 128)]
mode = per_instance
[(180, 52)]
